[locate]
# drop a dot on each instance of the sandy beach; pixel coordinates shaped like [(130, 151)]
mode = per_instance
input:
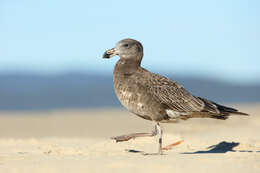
[(61, 141)]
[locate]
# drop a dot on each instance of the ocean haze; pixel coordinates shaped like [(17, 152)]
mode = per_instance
[(82, 90)]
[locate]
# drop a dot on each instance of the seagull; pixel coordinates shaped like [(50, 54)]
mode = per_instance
[(155, 97)]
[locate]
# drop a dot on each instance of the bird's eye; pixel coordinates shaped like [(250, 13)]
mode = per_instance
[(126, 45)]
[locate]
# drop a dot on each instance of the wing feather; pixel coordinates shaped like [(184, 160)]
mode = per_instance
[(173, 94)]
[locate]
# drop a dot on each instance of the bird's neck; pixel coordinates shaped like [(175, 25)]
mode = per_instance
[(126, 66)]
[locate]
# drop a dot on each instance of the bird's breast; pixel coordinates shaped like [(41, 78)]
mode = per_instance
[(136, 98), (130, 97)]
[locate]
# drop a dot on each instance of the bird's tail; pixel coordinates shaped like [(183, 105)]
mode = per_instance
[(223, 111), (228, 110)]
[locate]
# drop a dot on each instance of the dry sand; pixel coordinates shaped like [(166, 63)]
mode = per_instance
[(79, 141)]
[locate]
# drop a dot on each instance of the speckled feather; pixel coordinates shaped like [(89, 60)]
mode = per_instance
[(158, 98)]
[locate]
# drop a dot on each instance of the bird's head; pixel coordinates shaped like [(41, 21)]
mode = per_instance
[(126, 49)]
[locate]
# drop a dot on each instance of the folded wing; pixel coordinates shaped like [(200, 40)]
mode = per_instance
[(177, 98)]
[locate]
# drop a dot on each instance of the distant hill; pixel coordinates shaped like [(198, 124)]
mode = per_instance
[(36, 92)]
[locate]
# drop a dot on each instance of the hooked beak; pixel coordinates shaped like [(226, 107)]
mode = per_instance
[(109, 53)]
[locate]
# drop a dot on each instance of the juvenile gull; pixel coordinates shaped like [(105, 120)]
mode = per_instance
[(155, 97)]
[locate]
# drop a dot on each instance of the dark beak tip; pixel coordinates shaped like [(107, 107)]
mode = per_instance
[(106, 56)]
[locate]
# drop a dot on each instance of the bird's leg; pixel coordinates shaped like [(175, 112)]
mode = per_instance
[(127, 137), (159, 132)]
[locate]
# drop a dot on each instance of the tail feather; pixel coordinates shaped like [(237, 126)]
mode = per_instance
[(224, 111)]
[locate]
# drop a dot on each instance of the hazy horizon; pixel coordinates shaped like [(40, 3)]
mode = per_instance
[(109, 74), (36, 92)]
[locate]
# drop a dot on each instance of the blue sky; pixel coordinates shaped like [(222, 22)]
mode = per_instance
[(214, 39)]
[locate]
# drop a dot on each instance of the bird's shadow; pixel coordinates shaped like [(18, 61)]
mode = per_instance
[(222, 147)]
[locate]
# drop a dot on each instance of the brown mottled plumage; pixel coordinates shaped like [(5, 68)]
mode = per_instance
[(155, 97)]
